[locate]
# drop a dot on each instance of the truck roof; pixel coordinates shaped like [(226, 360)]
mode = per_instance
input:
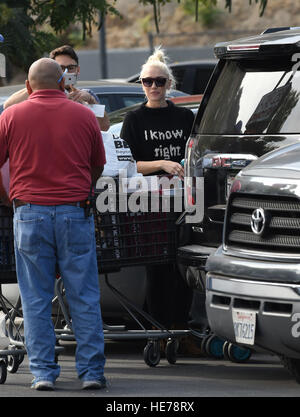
[(272, 42)]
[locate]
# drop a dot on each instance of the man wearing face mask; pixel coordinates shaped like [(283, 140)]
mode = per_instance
[(56, 152), (67, 58)]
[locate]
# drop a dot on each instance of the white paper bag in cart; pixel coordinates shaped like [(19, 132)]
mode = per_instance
[(118, 155)]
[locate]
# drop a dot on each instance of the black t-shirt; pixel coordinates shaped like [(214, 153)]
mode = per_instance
[(157, 133)]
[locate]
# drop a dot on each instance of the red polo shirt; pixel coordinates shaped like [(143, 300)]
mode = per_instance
[(51, 143)]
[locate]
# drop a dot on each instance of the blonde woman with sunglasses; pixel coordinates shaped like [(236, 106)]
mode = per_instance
[(158, 130), (157, 133)]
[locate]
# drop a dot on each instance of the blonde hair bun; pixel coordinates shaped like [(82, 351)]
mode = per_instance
[(159, 59), (158, 55)]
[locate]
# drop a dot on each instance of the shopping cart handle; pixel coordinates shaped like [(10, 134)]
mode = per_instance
[(180, 219)]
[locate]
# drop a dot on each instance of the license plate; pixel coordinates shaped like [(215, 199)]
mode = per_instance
[(244, 323)]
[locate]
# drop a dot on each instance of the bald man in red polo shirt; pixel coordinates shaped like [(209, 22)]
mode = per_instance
[(55, 151)]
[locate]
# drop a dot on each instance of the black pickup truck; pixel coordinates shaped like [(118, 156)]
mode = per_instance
[(253, 279), (251, 106)]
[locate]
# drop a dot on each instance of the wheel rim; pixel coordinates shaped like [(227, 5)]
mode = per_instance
[(225, 349), (151, 354), (203, 344), (215, 347), (171, 351), (239, 353), (13, 364)]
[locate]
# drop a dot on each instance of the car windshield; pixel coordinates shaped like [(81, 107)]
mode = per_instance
[(253, 97)]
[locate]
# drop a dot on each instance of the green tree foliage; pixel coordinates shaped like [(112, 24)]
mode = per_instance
[(156, 4), (23, 42), (21, 22), (262, 3), (207, 13), (61, 13)]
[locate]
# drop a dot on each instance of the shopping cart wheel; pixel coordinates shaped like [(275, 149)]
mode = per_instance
[(225, 350), (214, 347), (238, 354), (171, 350), (14, 361), (13, 364), (203, 344), (152, 353), (3, 371)]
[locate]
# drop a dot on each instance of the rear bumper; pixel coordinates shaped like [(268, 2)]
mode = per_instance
[(277, 308)]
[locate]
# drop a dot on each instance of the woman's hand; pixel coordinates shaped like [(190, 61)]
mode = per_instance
[(170, 167), (173, 168)]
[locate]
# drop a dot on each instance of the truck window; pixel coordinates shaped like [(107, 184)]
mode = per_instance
[(201, 79), (253, 98), (178, 74)]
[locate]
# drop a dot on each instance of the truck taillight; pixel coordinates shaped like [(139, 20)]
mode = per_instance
[(189, 173), (249, 47), (190, 197)]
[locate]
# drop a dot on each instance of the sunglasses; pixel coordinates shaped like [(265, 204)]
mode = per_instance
[(159, 81), (69, 68)]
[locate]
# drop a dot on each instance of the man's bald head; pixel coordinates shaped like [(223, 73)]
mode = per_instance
[(44, 74)]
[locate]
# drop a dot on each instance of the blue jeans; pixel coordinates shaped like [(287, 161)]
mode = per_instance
[(45, 236)]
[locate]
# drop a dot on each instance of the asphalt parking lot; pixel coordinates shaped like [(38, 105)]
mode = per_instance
[(190, 378)]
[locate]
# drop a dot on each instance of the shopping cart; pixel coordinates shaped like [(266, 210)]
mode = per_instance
[(123, 238), (127, 238)]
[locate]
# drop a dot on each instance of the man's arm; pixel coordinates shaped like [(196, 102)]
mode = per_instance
[(86, 96), (103, 122), (16, 97)]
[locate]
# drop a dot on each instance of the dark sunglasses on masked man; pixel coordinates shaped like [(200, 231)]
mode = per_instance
[(159, 81)]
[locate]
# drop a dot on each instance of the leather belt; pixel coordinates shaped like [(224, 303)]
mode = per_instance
[(82, 204)]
